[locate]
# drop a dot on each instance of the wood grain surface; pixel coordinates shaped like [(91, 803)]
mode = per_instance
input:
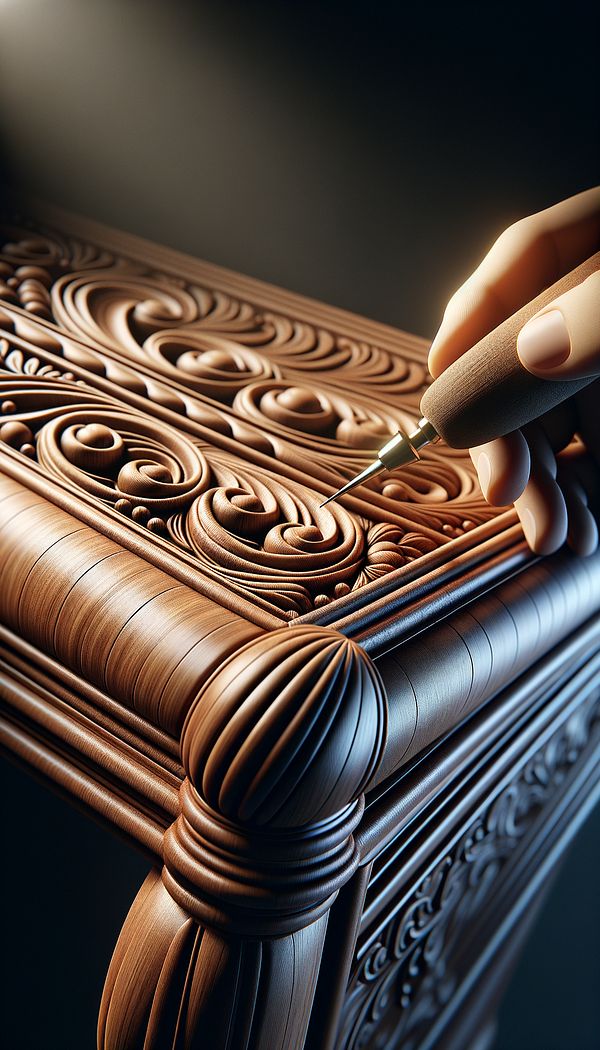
[(434, 681), (231, 416), (105, 613), (202, 656)]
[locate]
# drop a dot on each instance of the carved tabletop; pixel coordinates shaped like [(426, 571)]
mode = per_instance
[(221, 668)]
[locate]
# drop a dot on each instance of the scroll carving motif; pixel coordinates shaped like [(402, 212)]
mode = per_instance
[(314, 402), (117, 302), (277, 538), (407, 973), (240, 523)]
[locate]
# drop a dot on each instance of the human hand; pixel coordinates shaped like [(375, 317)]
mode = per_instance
[(555, 490)]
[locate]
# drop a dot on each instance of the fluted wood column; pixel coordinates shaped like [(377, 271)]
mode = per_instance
[(223, 948)]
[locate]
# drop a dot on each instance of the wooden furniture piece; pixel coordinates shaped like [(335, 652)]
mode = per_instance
[(354, 740)]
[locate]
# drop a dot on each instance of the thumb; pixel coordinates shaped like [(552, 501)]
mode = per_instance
[(562, 341)]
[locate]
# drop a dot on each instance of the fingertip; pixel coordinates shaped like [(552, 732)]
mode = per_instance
[(562, 341), (529, 526), (483, 467), (582, 535), (503, 468), (439, 358), (543, 513), (432, 363), (544, 342)]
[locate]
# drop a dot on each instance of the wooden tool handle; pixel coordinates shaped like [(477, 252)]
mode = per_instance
[(488, 392)]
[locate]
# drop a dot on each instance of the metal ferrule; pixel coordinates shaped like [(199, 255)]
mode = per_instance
[(399, 449), (403, 448)]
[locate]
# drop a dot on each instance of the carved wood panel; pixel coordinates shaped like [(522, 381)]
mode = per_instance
[(167, 433), (216, 424)]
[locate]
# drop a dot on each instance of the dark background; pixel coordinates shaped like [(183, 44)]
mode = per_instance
[(366, 155)]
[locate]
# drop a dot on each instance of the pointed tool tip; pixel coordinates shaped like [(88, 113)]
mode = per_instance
[(371, 471)]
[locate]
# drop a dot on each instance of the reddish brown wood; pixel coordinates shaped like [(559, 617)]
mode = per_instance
[(277, 749), (105, 613), (267, 403), (205, 658)]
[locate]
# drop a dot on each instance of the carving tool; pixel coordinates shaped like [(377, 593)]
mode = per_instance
[(484, 394)]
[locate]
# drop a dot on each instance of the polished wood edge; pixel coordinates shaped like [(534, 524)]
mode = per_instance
[(34, 705), (438, 678), (418, 838), (41, 670), (397, 616), (82, 788), (392, 804), (362, 612), (105, 613)]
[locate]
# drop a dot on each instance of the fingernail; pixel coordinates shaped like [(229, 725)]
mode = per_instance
[(484, 471), (529, 526), (544, 341)]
